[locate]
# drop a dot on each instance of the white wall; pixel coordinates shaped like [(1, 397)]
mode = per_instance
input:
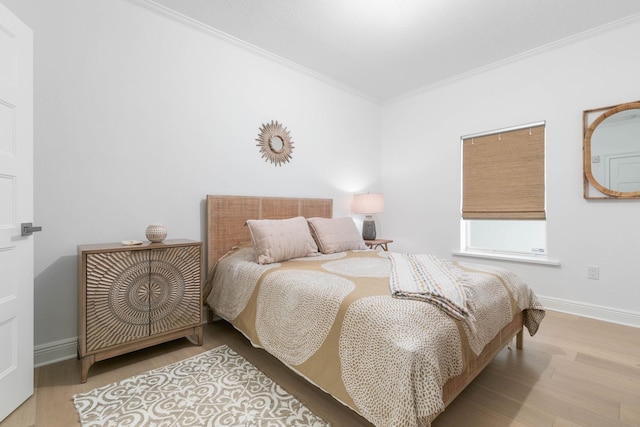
[(421, 166), (138, 117)]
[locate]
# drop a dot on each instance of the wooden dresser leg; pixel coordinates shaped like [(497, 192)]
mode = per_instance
[(86, 363), (196, 336), (199, 332)]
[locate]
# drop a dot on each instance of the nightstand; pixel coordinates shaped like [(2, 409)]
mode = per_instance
[(132, 297), (378, 243)]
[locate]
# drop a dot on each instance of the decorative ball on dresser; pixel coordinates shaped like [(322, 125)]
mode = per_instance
[(156, 232)]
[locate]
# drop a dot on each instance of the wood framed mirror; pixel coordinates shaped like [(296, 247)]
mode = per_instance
[(275, 143), (611, 152)]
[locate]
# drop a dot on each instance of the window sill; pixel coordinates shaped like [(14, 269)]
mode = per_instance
[(529, 259)]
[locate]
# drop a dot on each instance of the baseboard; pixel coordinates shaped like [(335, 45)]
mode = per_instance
[(607, 314), (57, 351), (46, 354)]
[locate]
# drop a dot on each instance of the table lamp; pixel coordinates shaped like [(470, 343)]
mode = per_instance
[(368, 204)]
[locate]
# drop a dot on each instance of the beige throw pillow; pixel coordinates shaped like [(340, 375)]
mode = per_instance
[(336, 234), (281, 239)]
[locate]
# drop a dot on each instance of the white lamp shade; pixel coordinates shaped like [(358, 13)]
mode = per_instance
[(368, 203)]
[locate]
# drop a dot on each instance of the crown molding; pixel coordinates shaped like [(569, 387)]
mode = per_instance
[(207, 29), (221, 35), (518, 57)]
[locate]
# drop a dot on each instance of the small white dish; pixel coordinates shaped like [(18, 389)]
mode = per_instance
[(131, 242)]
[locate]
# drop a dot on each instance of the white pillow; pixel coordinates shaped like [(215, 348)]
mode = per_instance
[(277, 240), (336, 234)]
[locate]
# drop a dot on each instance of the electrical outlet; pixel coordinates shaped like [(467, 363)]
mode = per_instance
[(593, 272)]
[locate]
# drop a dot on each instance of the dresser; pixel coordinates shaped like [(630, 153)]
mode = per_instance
[(131, 297)]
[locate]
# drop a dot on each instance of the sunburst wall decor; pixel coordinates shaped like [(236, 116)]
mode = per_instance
[(275, 143)]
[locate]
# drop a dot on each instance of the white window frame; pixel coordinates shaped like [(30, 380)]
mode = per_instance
[(538, 256)]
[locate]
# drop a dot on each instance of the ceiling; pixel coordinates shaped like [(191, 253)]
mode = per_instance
[(386, 48)]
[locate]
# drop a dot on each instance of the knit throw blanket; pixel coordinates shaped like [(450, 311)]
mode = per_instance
[(426, 278)]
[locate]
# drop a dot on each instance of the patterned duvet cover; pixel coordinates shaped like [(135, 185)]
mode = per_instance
[(332, 319)]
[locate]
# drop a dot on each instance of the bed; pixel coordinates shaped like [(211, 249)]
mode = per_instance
[(329, 314)]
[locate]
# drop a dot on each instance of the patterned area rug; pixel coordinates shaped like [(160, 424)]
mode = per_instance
[(216, 388)]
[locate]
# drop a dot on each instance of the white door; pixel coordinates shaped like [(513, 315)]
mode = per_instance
[(16, 206), (624, 172)]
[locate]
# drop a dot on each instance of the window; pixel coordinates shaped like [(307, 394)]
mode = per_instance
[(503, 191)]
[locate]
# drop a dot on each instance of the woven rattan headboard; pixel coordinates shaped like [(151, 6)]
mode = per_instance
[(226, 216)]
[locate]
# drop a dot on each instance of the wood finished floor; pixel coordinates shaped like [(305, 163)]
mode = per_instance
[(574, 372)]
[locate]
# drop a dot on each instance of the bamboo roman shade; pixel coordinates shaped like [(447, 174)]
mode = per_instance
[(503, 175)]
